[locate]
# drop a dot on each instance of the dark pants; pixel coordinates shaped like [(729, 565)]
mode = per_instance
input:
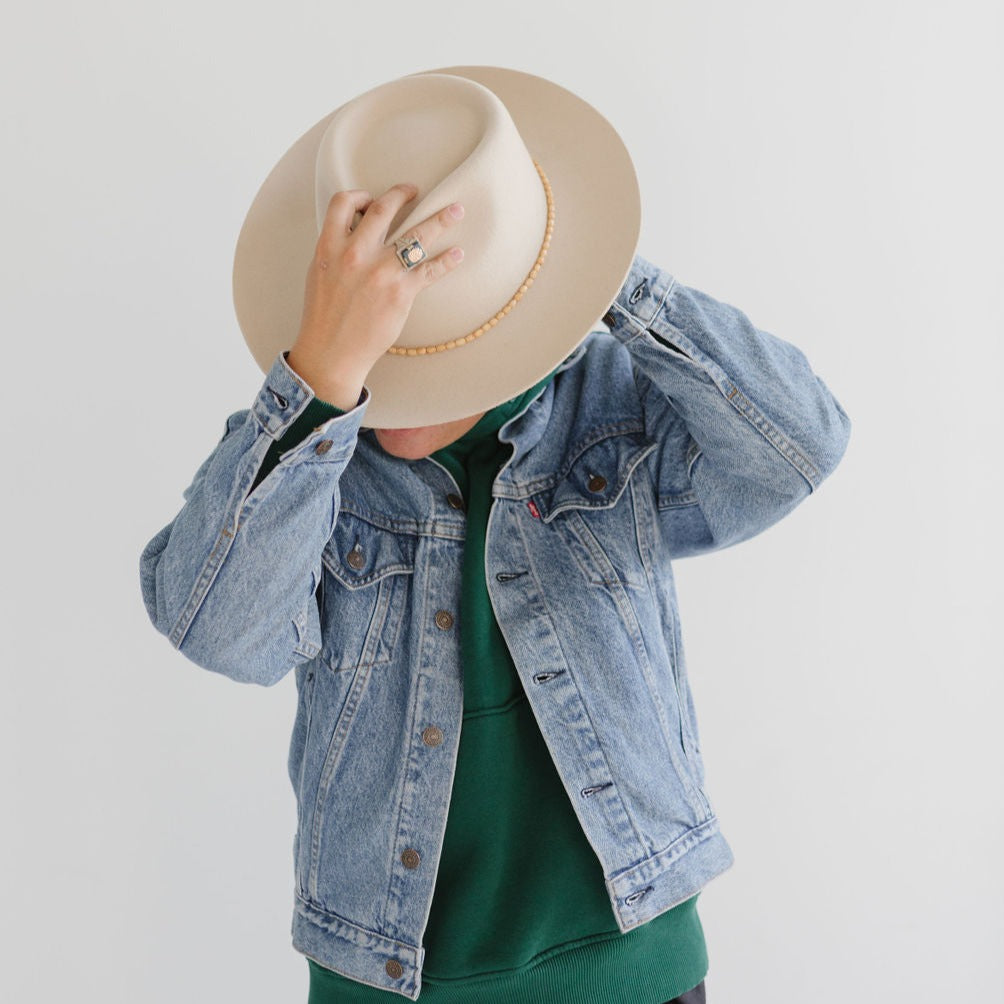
[(694, 996)]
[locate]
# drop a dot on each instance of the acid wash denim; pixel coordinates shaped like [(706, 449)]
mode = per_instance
[(681, 430)]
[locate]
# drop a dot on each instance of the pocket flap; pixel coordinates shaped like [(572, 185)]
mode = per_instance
[(597, 476), (359, 553)]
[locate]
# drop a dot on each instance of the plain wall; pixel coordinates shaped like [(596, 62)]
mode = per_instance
[(833, 170)]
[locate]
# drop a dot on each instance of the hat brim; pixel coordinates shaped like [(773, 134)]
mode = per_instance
[(596, 228)]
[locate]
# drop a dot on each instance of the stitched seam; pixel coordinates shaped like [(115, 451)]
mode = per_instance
[(773, 435)]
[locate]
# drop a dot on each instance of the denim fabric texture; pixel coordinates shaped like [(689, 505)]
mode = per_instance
[(681, 430)]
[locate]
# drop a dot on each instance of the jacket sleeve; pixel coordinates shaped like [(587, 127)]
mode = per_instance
[(231, 580), (746, 429)]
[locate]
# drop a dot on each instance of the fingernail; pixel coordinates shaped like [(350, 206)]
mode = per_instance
[(456, 210), (456, 253)]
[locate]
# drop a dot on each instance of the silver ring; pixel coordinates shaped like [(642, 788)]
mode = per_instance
[(410, 251)]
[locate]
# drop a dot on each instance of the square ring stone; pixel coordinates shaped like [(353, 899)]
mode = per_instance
[(411, 254)]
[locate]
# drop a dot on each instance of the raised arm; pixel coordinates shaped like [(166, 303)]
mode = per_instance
[(747, 429), (231, 579)]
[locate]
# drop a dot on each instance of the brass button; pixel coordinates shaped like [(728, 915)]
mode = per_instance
[(455, 500), (323, 446), (432, 735), (444, 619), (410, 858), (597, 483), (609, 319), (355, 558), (394, 969)]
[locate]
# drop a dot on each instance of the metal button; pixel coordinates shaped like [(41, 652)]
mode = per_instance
[(609, 319), (323, 446), (355, 558), (410, 858), (455, 500), (444, 619), (394, 969), (432, 735), (597, 483)]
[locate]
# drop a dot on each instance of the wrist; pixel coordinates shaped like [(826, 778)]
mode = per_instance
[(338, 382)]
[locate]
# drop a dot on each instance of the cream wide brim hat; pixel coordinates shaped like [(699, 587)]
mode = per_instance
[(473, 134)]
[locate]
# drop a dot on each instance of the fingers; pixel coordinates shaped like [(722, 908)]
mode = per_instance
[(342, 207), (435, 268), (429, 230), (367, 241), (373, 227)]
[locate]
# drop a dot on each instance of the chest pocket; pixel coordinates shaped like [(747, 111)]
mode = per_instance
[(367, 575), (601, 509)]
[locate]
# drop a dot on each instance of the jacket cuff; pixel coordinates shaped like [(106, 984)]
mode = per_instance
[(284, 396), (638, 302), (289, 411)]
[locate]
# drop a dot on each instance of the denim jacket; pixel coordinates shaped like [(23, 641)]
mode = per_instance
[(680, 430)]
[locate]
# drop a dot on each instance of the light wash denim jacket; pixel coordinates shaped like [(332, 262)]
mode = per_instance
[(681, 430)]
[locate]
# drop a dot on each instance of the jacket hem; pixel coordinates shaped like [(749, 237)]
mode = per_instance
[(659, 883), (355, 952)]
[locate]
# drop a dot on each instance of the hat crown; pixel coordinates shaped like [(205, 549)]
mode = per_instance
[(456, 141)]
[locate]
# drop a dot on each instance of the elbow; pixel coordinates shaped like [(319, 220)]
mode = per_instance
[(150, 581), (235, 662), (242, 653), (249, 647), (833, 436)]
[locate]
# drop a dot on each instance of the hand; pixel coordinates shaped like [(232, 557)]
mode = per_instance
[(358, 295)]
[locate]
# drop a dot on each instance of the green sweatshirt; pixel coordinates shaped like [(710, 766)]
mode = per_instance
[(520, 912)]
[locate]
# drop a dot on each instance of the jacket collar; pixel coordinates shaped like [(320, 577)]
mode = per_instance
[(593, 434)]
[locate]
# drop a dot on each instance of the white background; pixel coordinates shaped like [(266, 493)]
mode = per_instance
[(832, 169)]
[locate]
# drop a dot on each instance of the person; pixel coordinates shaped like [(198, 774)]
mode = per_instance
[(499, 780)]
